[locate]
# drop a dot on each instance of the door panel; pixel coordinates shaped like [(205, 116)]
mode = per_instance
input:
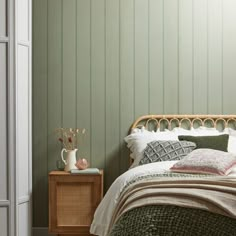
[(3, 121)]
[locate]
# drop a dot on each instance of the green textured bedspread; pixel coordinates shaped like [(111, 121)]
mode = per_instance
[(161, 220), (166, 204)]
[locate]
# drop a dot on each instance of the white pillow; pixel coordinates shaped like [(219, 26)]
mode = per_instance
[(232, 139), (232, 144), (230, 131), (200, 131), (138, 141)]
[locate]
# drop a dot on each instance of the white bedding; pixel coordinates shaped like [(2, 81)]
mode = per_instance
[(106, 208)]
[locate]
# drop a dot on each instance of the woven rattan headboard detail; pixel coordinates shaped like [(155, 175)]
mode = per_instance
[(154, 122), (168, 121)]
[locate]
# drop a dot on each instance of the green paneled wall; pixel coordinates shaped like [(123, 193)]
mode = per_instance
[(99, 64)]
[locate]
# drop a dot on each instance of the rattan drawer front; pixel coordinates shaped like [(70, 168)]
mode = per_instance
[(74, 204)]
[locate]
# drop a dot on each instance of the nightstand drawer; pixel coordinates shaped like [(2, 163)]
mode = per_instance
[(73, 199)]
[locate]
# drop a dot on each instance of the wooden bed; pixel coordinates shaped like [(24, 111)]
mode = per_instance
[(170, 219)]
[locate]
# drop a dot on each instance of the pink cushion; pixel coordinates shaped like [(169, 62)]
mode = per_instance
[(206, 161)]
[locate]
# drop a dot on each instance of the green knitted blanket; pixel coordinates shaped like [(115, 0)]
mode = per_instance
[(161, 220), (171, 220)]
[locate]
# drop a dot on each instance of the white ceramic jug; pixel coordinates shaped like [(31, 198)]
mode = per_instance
[(70, 160)]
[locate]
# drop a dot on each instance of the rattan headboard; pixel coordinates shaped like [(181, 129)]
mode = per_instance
[(185, 121), (162, 122)]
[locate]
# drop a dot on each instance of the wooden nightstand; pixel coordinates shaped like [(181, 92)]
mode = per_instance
[(73, 199)]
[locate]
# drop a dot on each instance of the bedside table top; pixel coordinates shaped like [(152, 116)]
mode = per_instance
[(64, 173)]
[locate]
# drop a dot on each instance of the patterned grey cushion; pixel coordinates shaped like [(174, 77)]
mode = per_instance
[(166, 151)]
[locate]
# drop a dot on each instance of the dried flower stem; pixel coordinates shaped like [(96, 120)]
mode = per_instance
[(69, 137)]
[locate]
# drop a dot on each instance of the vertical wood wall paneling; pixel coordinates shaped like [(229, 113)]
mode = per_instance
[(215, 56), (3, 18), (40, 212), (112, 61), (141, 58), (200, 53), (54, 80), (170, 56), (156, 56), (229, 55), (98, 78), (3, 122), (126, 76), (112, 91), (69, 63), (83, 77), (185, 57)]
